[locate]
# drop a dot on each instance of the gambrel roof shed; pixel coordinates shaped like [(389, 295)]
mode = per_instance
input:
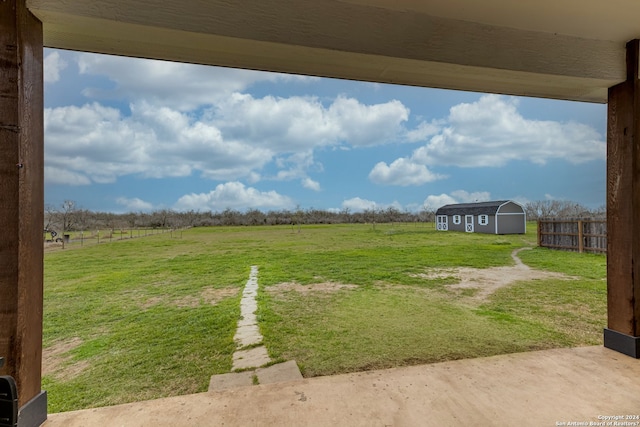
[(495, 217), (488, 208)]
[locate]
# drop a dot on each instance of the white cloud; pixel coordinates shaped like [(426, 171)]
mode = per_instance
[(296, 166), (423, 131), (173, 84), (311, 184), (234, 140), (188, 119), (402, 172), (55, 175), (283, 124), (368, 125), (99, 143), (301, 123), (491, 132), (433, 202), (134, 204), (233, 195), (253, 177), (53, 65), (466, 197), (356, 204)]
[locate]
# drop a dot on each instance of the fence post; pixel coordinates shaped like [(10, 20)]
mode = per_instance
[(540, 232), (580, 237)]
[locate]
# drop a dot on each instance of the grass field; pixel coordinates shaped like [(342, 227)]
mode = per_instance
[(155, 316)]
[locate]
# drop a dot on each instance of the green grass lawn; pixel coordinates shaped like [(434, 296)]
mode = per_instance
[(155, 316)]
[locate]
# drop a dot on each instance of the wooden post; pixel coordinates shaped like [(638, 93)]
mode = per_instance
[(580, 237), (22, 205), (623, 211), (539, 233)]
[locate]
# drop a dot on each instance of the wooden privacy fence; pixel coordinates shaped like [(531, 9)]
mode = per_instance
[(580, 235)]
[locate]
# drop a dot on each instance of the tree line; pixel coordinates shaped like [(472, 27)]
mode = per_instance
[(68, 216), (562, 209)]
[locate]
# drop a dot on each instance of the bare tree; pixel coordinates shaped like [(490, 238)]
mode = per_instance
[(50, 216), (63, 219), (83, 219), (558, 209)]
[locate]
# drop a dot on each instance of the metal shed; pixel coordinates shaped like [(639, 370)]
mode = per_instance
[(496, 217)]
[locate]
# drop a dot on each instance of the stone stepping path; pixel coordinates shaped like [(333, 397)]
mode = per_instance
[(251, 354), (248, 333)]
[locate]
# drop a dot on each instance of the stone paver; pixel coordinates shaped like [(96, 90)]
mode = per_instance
[(279, 373), (282, 372), (248, 335), (232, 380), (244, 359)]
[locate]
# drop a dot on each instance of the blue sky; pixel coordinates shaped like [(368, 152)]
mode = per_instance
[(126, 134)]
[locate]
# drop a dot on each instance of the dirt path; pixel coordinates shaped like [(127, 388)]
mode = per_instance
[(474, 284), (485, 281)]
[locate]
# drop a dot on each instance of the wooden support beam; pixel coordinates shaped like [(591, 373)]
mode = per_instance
[(623, 210), (22, 205)]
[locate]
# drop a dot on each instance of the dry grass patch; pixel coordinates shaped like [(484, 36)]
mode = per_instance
[(213, 296), (150, 302), (57, 362), (483, 282), (488, 280), (322, 287), (209, 295)]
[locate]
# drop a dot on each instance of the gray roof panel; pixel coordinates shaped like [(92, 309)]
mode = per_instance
[(481, 208)]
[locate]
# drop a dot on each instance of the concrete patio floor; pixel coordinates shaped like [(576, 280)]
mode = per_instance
[(542, 388)]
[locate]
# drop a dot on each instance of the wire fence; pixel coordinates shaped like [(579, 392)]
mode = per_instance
[(100, 236)]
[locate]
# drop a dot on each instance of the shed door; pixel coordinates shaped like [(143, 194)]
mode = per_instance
[(468, 223), (442, 223)]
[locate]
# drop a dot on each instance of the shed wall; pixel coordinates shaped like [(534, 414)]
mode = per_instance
[(490, 228), (456, 227), (477, 228), (510, 208), (511, 224)]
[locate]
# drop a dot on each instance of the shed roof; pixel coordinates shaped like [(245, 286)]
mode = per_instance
[(481, 208)]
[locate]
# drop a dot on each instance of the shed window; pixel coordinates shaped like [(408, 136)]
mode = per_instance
[(483, 219), (456, 219)]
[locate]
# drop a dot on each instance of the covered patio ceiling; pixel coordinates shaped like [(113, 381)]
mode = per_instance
[(564, 49)]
